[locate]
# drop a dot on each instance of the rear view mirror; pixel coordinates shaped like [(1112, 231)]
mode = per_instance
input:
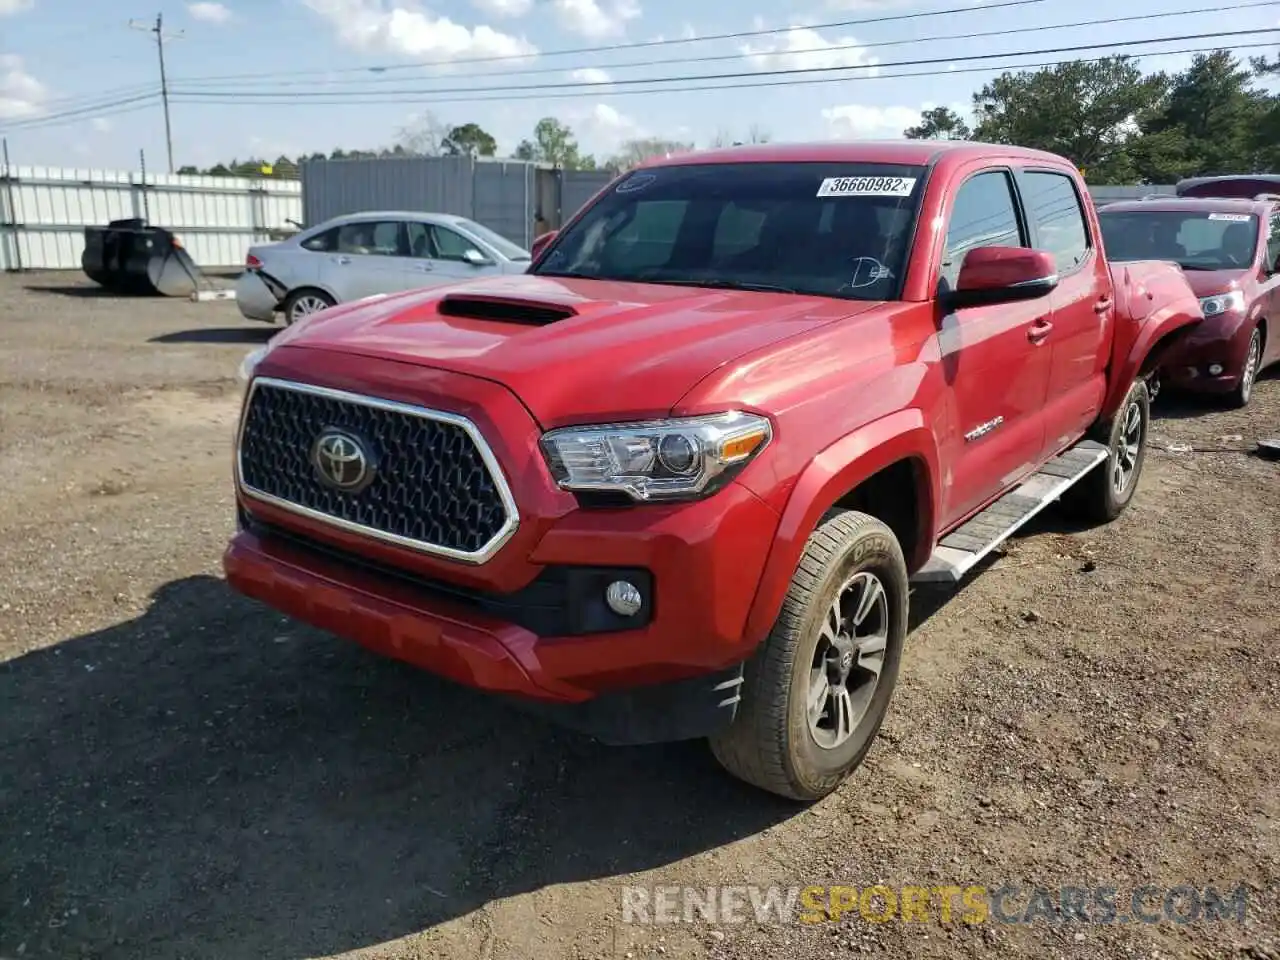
[(540, 241), (1002, 275)]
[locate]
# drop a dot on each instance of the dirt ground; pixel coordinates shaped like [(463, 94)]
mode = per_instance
[(184, 774)]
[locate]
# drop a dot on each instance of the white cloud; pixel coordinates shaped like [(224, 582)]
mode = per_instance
[(590, 19), (503, 8), (21, 94), (591, 75), (9, 7), (376, 25), (601, 129), (857, 121), (801, 48), (100, 125), (209, 12)]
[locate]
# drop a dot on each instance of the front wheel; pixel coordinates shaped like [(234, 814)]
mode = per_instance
[(1105, 491), (1243, 392), (815, 693)]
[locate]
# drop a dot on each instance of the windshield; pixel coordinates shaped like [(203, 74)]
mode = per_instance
[(500, 243), (827, 229), (1195, 239)]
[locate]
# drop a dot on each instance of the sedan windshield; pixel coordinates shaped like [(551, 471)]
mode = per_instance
[(1196, 240), (826, 229), (500, 243)]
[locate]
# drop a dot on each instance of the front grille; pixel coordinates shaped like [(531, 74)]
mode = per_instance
[(434, 484)]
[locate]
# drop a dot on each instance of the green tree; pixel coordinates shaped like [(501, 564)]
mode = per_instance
[(553, 142), (939, 123), (1089, 112), (469, 140), (1209, 123)]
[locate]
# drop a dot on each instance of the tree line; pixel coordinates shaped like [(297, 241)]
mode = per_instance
[(1117, 123)]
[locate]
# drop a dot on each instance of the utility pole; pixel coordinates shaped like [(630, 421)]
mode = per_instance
[(161, 38)]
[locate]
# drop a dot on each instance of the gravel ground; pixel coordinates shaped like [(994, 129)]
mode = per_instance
[(185, 774)]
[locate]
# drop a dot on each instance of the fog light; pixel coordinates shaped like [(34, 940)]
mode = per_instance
[(623, 598), (1215, 369)]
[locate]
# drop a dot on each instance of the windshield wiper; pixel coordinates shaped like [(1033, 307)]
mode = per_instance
[(725, 285)]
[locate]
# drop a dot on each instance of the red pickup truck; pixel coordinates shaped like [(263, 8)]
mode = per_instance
[(674, 482)]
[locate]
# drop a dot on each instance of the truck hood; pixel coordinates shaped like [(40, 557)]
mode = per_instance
[(573, 350)]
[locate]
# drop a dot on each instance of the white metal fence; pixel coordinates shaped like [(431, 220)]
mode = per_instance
[(44, 210)]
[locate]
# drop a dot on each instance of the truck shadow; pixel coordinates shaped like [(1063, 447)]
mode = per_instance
[(208, 780)]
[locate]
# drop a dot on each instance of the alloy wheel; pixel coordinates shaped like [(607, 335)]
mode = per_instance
[(848, 660)]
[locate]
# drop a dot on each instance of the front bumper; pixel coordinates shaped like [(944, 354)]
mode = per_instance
[(531, 623), (1220, 343)]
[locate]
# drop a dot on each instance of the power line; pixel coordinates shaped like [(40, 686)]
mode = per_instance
[(161, 38), (710, 58), (99, 109), (595, 86), (807, 81), (614, 47)]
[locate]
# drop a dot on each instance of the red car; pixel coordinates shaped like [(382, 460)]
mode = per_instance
[(1228, 248), (675, 480)]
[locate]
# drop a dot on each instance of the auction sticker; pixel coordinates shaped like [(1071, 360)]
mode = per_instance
[(867, 187), (1233, 217)]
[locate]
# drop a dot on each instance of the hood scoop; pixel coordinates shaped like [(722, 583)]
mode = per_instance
[(502, 309)]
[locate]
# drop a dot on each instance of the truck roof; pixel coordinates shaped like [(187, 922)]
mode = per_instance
[(1190, 204), (914, 152)]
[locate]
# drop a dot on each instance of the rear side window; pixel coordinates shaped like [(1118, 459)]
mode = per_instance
[(1053, 205), (1273, 241), (321, 242), (983, 215)]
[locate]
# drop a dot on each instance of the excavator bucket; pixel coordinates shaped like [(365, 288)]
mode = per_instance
[(133, 258)]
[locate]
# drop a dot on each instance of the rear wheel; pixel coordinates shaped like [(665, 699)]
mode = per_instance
[(1243, 392), (302, 303), (815, 693), (1104, 492)]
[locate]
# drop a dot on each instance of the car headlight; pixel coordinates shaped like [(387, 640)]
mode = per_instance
[(250, 363), (1222, 303), (679, 459)]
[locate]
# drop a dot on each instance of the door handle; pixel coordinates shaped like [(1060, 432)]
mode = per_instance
[(1039, 330), (343, 260), (1103, 305), (425, 267)]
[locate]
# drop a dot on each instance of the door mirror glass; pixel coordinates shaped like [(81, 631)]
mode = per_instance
[(474, 257), (1002, 275)]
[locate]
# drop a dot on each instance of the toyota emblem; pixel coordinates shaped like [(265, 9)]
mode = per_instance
[(341, 461)]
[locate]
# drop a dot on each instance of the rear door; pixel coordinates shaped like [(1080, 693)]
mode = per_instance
[(997, 371), (1271, 298), (1082, 307), (367, 257)]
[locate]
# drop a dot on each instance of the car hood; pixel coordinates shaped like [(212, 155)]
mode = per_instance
[(1209, 283), (573, 350)]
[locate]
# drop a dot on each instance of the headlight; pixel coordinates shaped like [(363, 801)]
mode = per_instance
[(679, 459), (251, 361), (1222, 303)]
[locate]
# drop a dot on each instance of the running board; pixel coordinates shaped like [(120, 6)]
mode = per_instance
[(961, 550)]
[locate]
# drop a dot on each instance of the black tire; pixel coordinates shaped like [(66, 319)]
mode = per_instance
[(300, 297), (771, 743), (1096, 497), (1239, 397)]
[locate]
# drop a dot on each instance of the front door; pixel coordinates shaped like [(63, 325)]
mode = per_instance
[(1083, 312), (995, 365)]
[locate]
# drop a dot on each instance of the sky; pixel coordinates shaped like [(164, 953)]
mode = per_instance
[(262, 78)]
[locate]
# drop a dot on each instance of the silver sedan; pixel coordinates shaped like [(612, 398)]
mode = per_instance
[(363, 254)]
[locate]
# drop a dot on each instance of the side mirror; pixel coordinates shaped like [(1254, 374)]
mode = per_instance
[(991, 275), (476, 258), (541, 241)]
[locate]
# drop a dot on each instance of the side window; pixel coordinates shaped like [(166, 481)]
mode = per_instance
[(418, 236), (1054, 207), (321, 242), (378, 238), (983, 215), (1273, 241), (450, 245)]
